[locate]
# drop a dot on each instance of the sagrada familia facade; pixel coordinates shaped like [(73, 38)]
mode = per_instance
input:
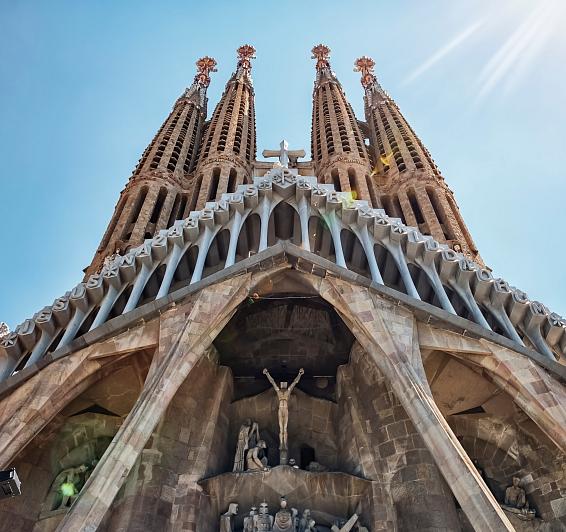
[(285, 344)]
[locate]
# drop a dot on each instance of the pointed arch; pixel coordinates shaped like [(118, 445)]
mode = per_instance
[(248, 239), (284, 224)]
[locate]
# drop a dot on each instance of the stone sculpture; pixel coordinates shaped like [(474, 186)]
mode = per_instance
[(248, 437), (311, 526), (255, 457), (227, 519), (345, 526), (516, 501), (263, 520), (316, 467), (305, 520), (66, 487), (283, 394), (284, 519), (515, 496), (249, 525), (284, 154)]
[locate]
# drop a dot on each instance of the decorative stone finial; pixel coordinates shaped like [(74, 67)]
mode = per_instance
[(321, 53), (246, 52), (365, 65), (205, 65), (4, 329)]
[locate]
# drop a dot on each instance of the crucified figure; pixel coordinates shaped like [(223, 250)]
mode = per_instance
[(283, 394)]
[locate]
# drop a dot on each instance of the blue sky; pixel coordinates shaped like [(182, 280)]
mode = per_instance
[(85, 85)]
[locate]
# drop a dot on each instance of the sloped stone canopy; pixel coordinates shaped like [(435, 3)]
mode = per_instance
[(284, 332)]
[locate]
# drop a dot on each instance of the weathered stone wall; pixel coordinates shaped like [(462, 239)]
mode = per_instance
[(189, 444), (413, 495)]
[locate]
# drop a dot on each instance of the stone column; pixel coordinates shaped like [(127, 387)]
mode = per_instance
[(386, 332), (413, 494), (198, 323), (163, 493)]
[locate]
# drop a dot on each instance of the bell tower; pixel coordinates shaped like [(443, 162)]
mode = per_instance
[(229, 144), (409, 182), (337, 144), (156, 194)]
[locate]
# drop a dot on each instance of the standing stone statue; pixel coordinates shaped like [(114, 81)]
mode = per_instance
[(263, 521), (66, 487), (284, 519), (247, 437), (304, 521), (249, 525), (227, 519), (283, 394), (515, 496)]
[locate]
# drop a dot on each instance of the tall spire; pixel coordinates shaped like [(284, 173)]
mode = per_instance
[(408, 181), (229, 145), (197, 91), (337, 144), (156, 194), (246, 53)]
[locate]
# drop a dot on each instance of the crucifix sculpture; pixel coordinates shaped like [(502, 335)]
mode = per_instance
[(283, 394), (284, 154)]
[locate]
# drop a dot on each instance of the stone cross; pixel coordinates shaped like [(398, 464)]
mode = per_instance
[(285, 155)]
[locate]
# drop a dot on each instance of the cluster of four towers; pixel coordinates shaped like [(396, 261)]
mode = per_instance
[(192, 160)]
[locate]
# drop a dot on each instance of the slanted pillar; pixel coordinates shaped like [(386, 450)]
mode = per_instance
[(387, 333), (198, 322)]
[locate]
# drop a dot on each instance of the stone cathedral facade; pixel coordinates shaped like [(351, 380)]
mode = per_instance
[(286, 344)]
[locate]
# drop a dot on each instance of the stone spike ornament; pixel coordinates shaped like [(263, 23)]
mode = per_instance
[(365, 66), (423, 376), (205, 65), (321, 53), (246, 53)]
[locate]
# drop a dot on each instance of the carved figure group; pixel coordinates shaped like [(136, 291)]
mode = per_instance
[(248, 437), (67, 486), (516, 499), (285, 520)]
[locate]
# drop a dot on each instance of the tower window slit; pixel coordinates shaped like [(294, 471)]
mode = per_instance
[(415, 206), (387, 205), (371, 191), (158, 205), (213, 187), (336, 180), (398, 208), (353, 184), (439, 213), (182, 207), (196, 193), (174, 210), (135, 212), (232, 180)]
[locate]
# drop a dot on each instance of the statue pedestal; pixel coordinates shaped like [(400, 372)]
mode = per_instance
[(328, 495), (283, 456)]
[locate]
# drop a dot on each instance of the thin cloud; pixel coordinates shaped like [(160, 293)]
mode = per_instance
[(444, 51)]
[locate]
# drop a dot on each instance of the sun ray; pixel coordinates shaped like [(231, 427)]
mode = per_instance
[(444, 51), (518, 51)]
